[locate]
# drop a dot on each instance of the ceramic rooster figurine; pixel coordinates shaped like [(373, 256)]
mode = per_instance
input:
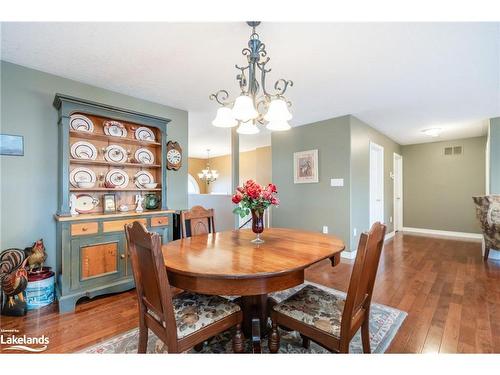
[(36, 255), (13, 280)]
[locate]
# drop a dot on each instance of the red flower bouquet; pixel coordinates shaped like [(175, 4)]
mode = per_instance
[(254, 198)]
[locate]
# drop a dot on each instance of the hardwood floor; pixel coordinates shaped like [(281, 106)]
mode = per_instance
[(452, 298)]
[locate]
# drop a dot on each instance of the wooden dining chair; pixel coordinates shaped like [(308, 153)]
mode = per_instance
[(183, 321), (328, 319), (201, 221)]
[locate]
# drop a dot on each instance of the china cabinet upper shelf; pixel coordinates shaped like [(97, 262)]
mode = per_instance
[(104, 137), (103, 162), (112, 189)]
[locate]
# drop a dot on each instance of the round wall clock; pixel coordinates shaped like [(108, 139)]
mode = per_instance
[(174, 155)]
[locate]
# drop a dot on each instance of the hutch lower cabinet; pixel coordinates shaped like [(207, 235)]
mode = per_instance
[(111, 161), (94, 257)]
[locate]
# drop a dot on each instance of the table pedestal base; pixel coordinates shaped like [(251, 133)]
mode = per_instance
[(255, 314)]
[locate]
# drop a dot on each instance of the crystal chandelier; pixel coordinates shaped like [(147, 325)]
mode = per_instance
[(251, 107), (208, 175)]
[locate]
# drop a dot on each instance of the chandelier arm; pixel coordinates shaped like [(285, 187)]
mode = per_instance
[(242, 79), (221, 97), (281, 86), (263, 72)]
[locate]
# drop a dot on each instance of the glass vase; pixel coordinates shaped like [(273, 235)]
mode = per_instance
[(257, 225)]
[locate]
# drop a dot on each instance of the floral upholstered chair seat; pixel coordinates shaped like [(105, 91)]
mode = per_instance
[(315, 307), (195, 311)]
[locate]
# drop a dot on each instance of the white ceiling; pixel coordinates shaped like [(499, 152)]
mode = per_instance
[(400, 78)]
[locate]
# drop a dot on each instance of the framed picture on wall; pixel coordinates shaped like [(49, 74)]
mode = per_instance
[(305, 167), (12, 145)]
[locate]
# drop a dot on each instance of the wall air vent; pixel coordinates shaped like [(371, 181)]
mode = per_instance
[(453, 150)]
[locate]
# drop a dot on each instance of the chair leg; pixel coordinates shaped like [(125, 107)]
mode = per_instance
[(365, 336), (143, 339), (274, 339), (487, 247), (238, 340), (306, 342)]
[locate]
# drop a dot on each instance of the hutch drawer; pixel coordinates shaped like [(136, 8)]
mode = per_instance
[(117, 225), (159, 221), (84, 228)]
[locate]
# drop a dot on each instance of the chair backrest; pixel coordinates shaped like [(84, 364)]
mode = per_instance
[(201, 221), (363, 275), (150, 275)]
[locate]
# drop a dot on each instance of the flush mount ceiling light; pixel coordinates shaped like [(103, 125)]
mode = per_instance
[(432, 132), (253, 107)]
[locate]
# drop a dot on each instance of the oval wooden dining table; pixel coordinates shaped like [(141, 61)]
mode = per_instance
[(228, 263)]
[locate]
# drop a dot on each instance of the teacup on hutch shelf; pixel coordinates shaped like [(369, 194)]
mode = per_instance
[(151, 185), (85, 184), (123, 208)]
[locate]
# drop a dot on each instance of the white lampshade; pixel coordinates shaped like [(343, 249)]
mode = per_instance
[(278, 111), (224, 118), (278, 126), (247, 128), (243, 108)]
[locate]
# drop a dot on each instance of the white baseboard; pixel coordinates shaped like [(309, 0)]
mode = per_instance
[(352, 254), (388, 236), (445, 233), (348, 254)]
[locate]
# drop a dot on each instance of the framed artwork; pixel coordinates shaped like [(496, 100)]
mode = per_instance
[(305, 167), (12, 145), (109, 203)]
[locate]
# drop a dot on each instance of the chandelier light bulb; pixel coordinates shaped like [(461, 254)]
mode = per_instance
[(248, 128), (243, 109), (278, 126), (224, 118), (278, 111)]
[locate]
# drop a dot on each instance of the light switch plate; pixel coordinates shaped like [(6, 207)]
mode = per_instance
[(337, 182), (325, 229)]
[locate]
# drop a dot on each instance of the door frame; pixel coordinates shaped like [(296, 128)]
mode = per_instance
[(397, 225), (380, 148)]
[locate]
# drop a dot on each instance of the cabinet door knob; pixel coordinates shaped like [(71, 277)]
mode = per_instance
[(122, 256), (84, 229)]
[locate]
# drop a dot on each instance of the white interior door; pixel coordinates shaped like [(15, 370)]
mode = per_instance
[(398, 192), (376, 183)]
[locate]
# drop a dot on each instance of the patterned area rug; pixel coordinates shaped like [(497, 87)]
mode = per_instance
[(384, 324)]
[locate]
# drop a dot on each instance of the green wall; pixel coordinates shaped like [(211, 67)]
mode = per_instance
[(29, 183), (361, 136), (343, 148), (438, 189), (310, 206), (495, 155)]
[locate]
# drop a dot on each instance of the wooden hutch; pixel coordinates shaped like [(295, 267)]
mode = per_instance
[(92, 256)]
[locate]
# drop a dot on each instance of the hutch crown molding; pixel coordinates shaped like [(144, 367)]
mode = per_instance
[(92, 258)]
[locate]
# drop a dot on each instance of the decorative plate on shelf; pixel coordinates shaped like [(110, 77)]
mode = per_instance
[(83, 150), (81, 174), (81, 123), (118, 178), (144, 156), (143, 177), (144, 134), (115, 154), (114, 129), (85, 203)]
